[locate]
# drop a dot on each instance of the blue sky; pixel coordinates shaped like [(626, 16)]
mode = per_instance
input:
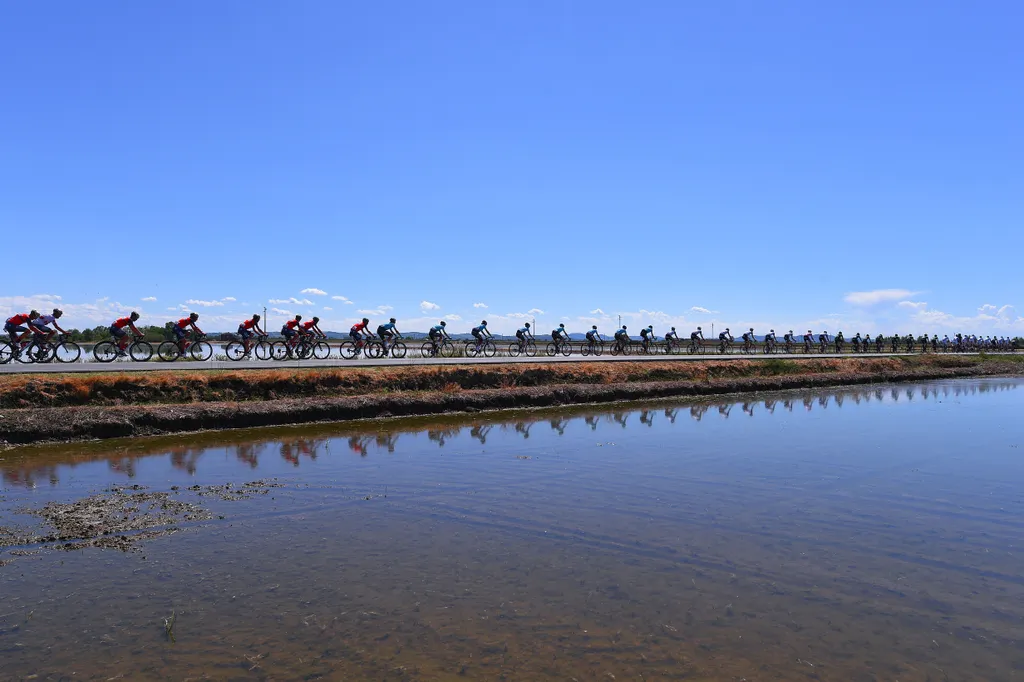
[(838, 165)]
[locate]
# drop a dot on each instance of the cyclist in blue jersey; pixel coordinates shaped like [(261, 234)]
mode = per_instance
[(524, 335), (437, 334), (558, 336), (646, 336), (621, 339), (386, 332), (593, 338), (481, 334)]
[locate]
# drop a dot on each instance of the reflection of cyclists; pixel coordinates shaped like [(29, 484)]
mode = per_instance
[(524, 428), (671, 413), (591, 421), (558, 424), (647, 417), (724, 410), (386, 440), (697, 412), (357, 444), (480, 431)]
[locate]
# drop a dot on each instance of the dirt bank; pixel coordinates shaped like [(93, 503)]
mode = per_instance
[(332, 395)]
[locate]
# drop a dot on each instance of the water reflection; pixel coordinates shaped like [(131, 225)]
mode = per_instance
[(29, 471)]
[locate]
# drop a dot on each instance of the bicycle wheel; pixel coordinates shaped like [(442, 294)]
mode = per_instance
[(6, 352), (140, 351), (44, 351), (490, 350), (68, 351), (303, 351), (448, 349), (105, 351), (279, 350), (514, 350), (321, 350), (398, 349), (584, 349), (566, 349), (235, 351), (531, 349), (201, 351), (168, 351), (263, 350), (348, 350), (598, 350), (427, 349), (550, 350)]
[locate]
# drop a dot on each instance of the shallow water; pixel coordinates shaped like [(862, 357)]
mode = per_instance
[(862, 534)]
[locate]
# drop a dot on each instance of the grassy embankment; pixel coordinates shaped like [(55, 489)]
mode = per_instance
[(107, 405)]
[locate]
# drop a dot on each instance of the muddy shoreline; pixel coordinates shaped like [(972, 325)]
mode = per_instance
[(65, 424)]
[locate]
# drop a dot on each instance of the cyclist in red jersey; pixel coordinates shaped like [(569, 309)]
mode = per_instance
[(290, 331), (181, 328), (313, 327), (118, 332), (245, 330), (16, 329), (359, 332)]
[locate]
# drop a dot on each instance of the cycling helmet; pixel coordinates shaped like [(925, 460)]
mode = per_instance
[(483, 323), (193, 316), (772, 331), (561, 325), (298, 317), (134, 315), (751, 329), (699, 329), (33, 313), (650, 326), (594, 327), (315, 319), (527, 325), (393, 320), (623, 326), (443, 323), (256, 317), (57, 312), (673, 328), (366, 320)]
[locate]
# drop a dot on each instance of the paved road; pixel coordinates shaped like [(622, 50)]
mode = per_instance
[(156, 365)]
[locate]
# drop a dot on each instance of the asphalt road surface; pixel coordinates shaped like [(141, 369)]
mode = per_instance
[(156, 365)]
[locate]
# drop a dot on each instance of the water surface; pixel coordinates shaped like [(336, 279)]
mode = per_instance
[(860, 534)]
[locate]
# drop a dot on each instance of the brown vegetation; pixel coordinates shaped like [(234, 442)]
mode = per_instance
[(118, 403)]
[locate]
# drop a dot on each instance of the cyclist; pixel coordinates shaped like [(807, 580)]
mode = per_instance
[(181, 328), (823, 340), (748, 340), (935, 343), (558, 336), (359, 333), (312, 327), (437, 334), (646, 336), (40, 325), (856, 340), (524, 335), (808, 340), (593, 338), (621, 339), (481, 334), (118, 332), (671, 339), (245, 330), (16, 330), (789, 340), (839, 342), (696, 338), (724, 339), (769, 340), (290, 331), (387, 332)]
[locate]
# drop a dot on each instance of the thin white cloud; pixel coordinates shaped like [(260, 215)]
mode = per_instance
[(518, 316), (866, 298), (278, 311), (597, 311), (479, 305), (229, 299), (427, 305), (702, 310), (149, 299), (535, 311), (292, 300), (913, 305), (987, 309), (48, 297), (204, 304), (342, 299), (313, 291), (453, 318), (172, 308), (372, 311), (327, 307), (1005, 311)]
